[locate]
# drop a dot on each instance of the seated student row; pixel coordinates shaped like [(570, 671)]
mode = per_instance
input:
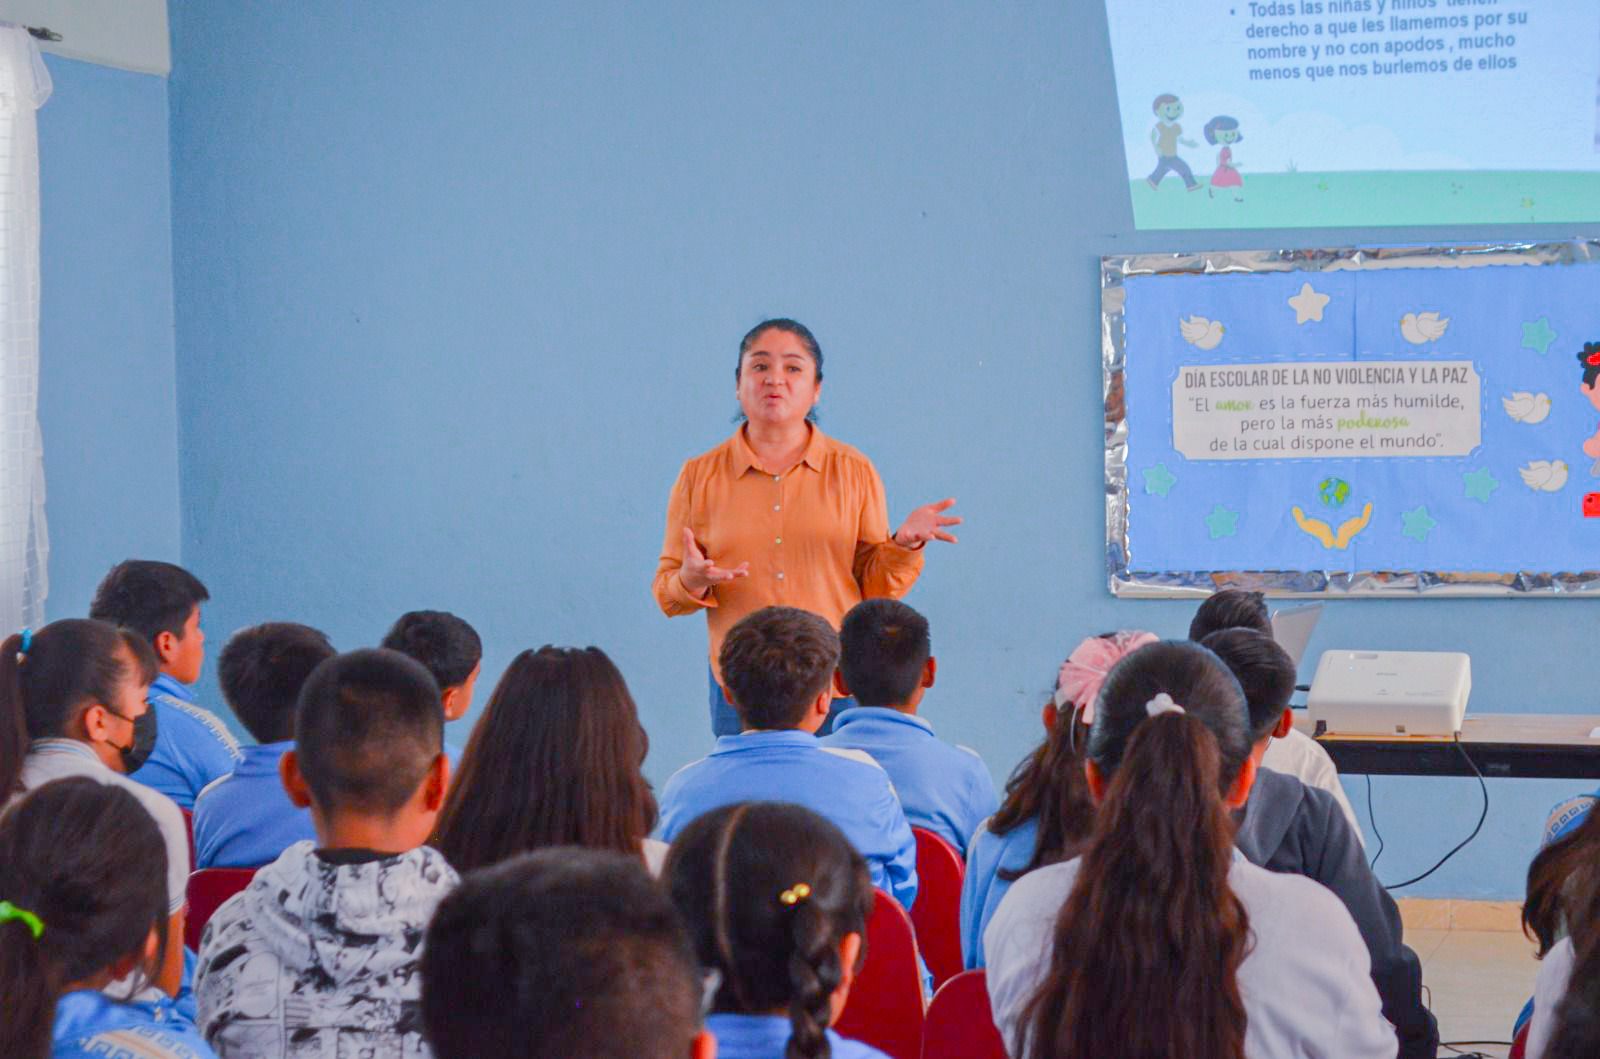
[(368, 760), (321, 949), (952, 786), (759, 667)]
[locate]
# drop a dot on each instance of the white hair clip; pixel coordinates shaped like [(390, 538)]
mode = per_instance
[(1162, 703)]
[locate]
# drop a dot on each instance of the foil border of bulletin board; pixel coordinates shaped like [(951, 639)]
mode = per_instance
[(1134, 583)]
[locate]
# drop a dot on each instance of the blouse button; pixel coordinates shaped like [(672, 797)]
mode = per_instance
[(780, 575), (777, 540), (777, 507)]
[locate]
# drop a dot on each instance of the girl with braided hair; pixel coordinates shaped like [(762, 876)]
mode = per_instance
[(777, 901)]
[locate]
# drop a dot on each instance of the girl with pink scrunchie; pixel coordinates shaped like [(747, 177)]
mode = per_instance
[(1047, 813)]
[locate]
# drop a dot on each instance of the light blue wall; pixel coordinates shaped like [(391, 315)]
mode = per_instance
[(108, 385), (456, 296)]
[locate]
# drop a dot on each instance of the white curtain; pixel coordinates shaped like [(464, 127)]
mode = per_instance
[(24, 544)]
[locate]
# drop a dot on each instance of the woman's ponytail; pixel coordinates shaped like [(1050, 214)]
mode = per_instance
[(814, 973), (1146, 950)]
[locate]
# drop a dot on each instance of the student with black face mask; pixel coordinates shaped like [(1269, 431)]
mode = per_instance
[(73, 703)]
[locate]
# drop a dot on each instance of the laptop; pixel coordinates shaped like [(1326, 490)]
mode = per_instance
[(1292, 628)]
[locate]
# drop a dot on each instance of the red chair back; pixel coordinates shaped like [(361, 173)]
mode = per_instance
[(208, 888), (936, 913), (885, 1005), (960, 1024)]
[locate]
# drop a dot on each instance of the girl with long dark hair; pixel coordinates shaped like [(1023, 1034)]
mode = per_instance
[(1160, 940), (777, 901), (1047, 812), (83, 905), (554, 761)]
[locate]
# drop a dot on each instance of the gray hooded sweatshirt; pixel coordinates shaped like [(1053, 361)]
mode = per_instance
[(317, 957), (1298, 830)]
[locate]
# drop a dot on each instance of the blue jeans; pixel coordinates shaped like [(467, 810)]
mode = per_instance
[(725, 720), (1171, 163)]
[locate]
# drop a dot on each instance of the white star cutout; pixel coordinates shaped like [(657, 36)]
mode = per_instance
[(1308, 304)]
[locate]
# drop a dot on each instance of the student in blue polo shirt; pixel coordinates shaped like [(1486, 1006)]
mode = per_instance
[(245, 819), (451, 650), (161, 602), (777, 665), (886, 664)]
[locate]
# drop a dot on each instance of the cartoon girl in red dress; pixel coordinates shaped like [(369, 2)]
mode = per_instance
[(1224, 130)]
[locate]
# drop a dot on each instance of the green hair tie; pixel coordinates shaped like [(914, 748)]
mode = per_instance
[(9, 911)]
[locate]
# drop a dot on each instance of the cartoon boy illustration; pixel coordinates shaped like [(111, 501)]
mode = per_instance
[(1590, 359), (1165, 137)]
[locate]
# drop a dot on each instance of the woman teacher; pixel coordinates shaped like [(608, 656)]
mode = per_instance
[(781, 514)]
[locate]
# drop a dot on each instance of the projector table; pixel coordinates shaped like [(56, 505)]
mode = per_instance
[(1523, 745)]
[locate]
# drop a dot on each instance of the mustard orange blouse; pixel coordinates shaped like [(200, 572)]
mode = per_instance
[(816, 537)]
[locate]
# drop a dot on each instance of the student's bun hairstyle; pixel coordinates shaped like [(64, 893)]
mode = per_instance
[(1146, 949), (883, 647), (446, 645), (261, 672), (1263, 669), (1231, 608), (69, 664), (564, 952), (148, 596), (88, 862), (769, 891), (367, 727), (563, 723), (775, 662)]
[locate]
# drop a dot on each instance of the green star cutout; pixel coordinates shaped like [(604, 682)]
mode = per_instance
[(1538, 335), (1158, 481), (1222, 522), (1418, 524), (1480, 483)]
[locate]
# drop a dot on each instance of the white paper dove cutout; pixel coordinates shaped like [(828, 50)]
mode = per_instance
[(1527, 407), (1200, 332), (1544, 476), (1421, 328)]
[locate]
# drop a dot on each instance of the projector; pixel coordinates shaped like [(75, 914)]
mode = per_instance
[(1391, 692)]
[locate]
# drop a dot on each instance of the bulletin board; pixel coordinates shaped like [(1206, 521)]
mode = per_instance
[(1354, 421)]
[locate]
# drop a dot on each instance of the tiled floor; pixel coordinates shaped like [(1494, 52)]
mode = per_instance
[(1478, 980)]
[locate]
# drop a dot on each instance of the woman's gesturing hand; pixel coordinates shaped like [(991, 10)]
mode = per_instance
[(926, 524), (699, 573)]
